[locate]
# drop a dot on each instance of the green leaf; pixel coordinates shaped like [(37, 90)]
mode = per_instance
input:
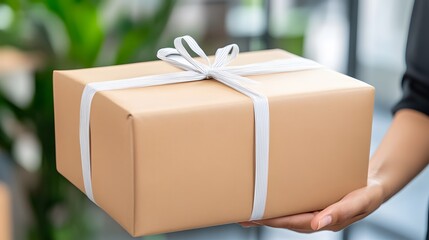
[(143, 34)]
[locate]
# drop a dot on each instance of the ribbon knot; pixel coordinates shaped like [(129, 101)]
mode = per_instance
[(208, 72), (195, 70)]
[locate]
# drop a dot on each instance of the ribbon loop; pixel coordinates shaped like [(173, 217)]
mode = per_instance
[(193, 45), (225, 55)]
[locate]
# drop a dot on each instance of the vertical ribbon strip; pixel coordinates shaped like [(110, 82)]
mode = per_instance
[(197, 71)]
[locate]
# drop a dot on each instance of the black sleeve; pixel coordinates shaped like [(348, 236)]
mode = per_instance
[(415, 82)]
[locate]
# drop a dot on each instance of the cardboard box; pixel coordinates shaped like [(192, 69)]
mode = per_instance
[(181, 156), (5, 214)]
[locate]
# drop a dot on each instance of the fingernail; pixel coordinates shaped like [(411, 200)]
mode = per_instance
[(247, 225), (250, 224), (325, 221), (257, 223)]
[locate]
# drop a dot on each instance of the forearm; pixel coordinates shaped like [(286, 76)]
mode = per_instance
[(403, 153)]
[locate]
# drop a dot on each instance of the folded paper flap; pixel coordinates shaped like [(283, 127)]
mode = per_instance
[(111, 191), (67, 91)]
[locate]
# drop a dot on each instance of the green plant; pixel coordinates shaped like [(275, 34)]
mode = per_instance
[(66, 34)]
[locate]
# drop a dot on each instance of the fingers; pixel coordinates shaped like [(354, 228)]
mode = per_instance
[(299, 221), (249, 224), (350, 209), (337, 213), (342, 225)]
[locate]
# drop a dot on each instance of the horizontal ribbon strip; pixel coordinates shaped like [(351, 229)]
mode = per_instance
[(197, 71)]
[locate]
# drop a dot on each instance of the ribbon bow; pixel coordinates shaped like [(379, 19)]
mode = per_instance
[(196, 71), (180, 57)]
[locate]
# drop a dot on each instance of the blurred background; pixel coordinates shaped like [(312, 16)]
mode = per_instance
[(362, 38)]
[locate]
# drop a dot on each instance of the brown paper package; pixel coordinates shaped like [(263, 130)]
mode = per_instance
[(181, 156), (5, 214)]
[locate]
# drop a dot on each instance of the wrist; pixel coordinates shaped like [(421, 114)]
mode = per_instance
[(378, 190)]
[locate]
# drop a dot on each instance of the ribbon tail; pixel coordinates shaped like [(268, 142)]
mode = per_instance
[(84, 138), (275, 66), (262, 137)]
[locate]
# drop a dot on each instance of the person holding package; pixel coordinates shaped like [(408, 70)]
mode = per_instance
[(403, 153)]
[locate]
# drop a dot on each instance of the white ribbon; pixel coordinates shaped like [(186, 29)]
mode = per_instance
[(196, 71)]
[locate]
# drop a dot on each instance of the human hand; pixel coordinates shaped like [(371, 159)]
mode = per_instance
[(353, 207)]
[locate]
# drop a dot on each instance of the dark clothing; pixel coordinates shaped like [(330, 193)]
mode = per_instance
[(415, 82)]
